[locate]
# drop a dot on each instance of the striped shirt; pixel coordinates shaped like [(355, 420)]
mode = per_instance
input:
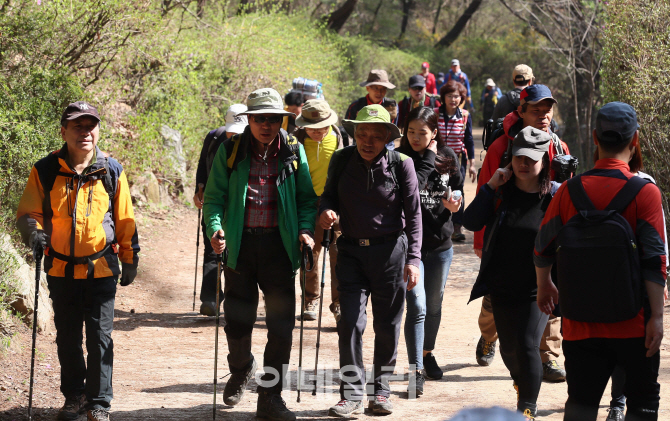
[(453, 129), (261, 201)]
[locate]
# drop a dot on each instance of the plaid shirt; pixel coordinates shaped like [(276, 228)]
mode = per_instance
[(261, 202)]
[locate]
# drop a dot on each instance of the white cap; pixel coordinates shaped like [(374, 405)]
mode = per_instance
[(490, 82), (455, 62), (236, 123)]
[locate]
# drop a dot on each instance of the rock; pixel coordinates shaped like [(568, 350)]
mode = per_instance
[(20, 306), (172, 142), (137, 194)]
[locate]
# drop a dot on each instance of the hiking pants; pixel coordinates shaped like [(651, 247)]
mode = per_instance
[(262, 262), (618, 383), (75, 302), (365, 271), (520, 325), (312, 280), (589, 363), (209, 266)]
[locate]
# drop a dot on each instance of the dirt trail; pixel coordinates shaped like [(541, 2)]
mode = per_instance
[(164, 352)]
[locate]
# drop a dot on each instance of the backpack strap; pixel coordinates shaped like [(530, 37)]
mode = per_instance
[(627, 194), (213, 145), (578, 195), (47, 170), (394, 161), (231, 150)]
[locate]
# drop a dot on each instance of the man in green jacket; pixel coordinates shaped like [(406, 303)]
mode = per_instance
[(260, 195)]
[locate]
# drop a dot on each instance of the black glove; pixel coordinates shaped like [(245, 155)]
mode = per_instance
[(128, 274), (38, 242)]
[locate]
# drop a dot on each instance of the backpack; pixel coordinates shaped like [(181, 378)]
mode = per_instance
[(492, 131), (213, 147), (598, 260), (514, 98)]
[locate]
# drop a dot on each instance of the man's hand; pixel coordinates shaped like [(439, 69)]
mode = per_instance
[(38, 242), (411, 275), (327, 219), (199, 197), (500, 177), (654, 334), (218, 242), (306, 238), (451, 204), (128, 274), (473, 171), (478, 252)]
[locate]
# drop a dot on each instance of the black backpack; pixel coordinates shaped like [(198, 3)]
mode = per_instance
[(598, 260), (492, 131), (215, 138)]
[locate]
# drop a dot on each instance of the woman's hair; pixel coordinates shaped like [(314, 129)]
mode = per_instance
[(443, 164), (544, 178), (636, 164), (453, 86)]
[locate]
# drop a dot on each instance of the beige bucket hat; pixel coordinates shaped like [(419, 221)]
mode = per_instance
[(316, 114), (378, 77), (265, 101)]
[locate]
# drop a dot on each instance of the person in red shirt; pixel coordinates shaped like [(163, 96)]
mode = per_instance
[(592, 350), (417, 98), (431, 86)]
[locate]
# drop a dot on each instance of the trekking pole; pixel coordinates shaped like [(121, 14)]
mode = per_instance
[(197, 249), (219, 264), (307, 256), (325, 246), (38, 267)]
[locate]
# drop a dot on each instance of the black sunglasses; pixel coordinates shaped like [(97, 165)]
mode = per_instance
[(272, 120)]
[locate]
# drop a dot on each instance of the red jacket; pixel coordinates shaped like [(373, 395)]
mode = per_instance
[(431, 86)]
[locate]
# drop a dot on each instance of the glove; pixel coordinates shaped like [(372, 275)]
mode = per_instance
[(128, 274), (38, 242)]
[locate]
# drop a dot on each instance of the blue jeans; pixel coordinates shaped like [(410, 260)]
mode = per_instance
[(424, 305)]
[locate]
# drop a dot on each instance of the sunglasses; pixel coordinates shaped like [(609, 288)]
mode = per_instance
[(275, 119)]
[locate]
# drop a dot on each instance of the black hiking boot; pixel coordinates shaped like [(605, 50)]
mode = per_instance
[(430, 367), (415, 386), (271, 406), (237, 384), (457, 235), (208, 308), (97, 415), (73, 407), (615, 414), (485, 352), (553, 372)]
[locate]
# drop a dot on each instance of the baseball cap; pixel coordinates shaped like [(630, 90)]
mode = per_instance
[(455, 62), (79, 109), (425, 65), (522, 73), (417, 81), (616, 123), (236, 122), (535, 93), (531, 142)]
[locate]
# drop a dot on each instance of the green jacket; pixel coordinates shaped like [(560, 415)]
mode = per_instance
[(226, 192)]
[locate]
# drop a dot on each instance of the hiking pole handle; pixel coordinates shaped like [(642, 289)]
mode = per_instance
[(327, 235), (38, 269)]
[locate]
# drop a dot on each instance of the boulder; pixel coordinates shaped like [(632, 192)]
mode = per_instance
[(172, 142)]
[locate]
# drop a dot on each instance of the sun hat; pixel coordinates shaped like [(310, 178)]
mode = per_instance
[(522, 73), (79, 109), (235, 121), (316, 114), (417, 81), (378, 77), (375, 114), (531, 142), (490, 82), (535, 93), (265, 101), (455, 62), (616, 123)]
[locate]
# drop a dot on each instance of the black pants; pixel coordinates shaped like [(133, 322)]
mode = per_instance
[(457, 218), (618, 383), (209, 266), (363, 271), (75, 302), (520, 326), (262, 262), (589, 363)]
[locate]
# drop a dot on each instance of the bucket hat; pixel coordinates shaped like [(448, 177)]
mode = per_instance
[(378, 77), (375, 114), (490, 82), (235, 120), (316, 114), (265, 101)]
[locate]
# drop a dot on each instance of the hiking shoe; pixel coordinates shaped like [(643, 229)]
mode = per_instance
[(272, 406), (97, 415), (237, 384), (615, 414), (457, 235), (311, 310), (208, 308), (529, 414), (381, 405), (337, 313), (553, 372), (485, 352), (430, 367), (73, 407), (346, 408), (415, 387)]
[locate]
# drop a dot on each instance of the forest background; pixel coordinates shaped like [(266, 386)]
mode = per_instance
[(163, 72)]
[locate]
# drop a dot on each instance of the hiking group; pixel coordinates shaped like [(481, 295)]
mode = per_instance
[(279, 183)]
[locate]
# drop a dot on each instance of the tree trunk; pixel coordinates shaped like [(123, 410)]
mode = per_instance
[(201, 8), (407, 6), (437, 15), (374, 17), (449, 39), (339, 17)]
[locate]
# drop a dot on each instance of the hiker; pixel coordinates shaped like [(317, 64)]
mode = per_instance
[(429, 78), (522, 76), (320, 137), (235, 124), (490, 96), (511, 206), (612, 314), (536, 110), (439, 81), (81, 186), (374, 192), (294, 102), (436, 167), (417, 98), (457, 75), (260, 195), (455, 126)]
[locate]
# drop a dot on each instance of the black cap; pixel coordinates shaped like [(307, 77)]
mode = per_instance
[(616, 123), (79, 109), (417, 81)]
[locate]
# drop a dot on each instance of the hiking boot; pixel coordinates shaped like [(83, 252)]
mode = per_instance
[(381, 405), (457, 235), (346, 408), (430, 367), (553, 372), (415, 387), (237, 384), (485, 352), (208, 308), (97, 415), (529, 414), (615, 414), (337, 313), (271, 406), (73, 407), (311, 310)]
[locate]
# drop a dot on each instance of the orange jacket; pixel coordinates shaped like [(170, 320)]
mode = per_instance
[(81, 202)]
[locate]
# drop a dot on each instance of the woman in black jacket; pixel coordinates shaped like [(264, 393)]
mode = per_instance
[(437, 172), (511, 206)]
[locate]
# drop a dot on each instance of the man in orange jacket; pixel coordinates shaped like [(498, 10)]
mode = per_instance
[(76, 208)]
